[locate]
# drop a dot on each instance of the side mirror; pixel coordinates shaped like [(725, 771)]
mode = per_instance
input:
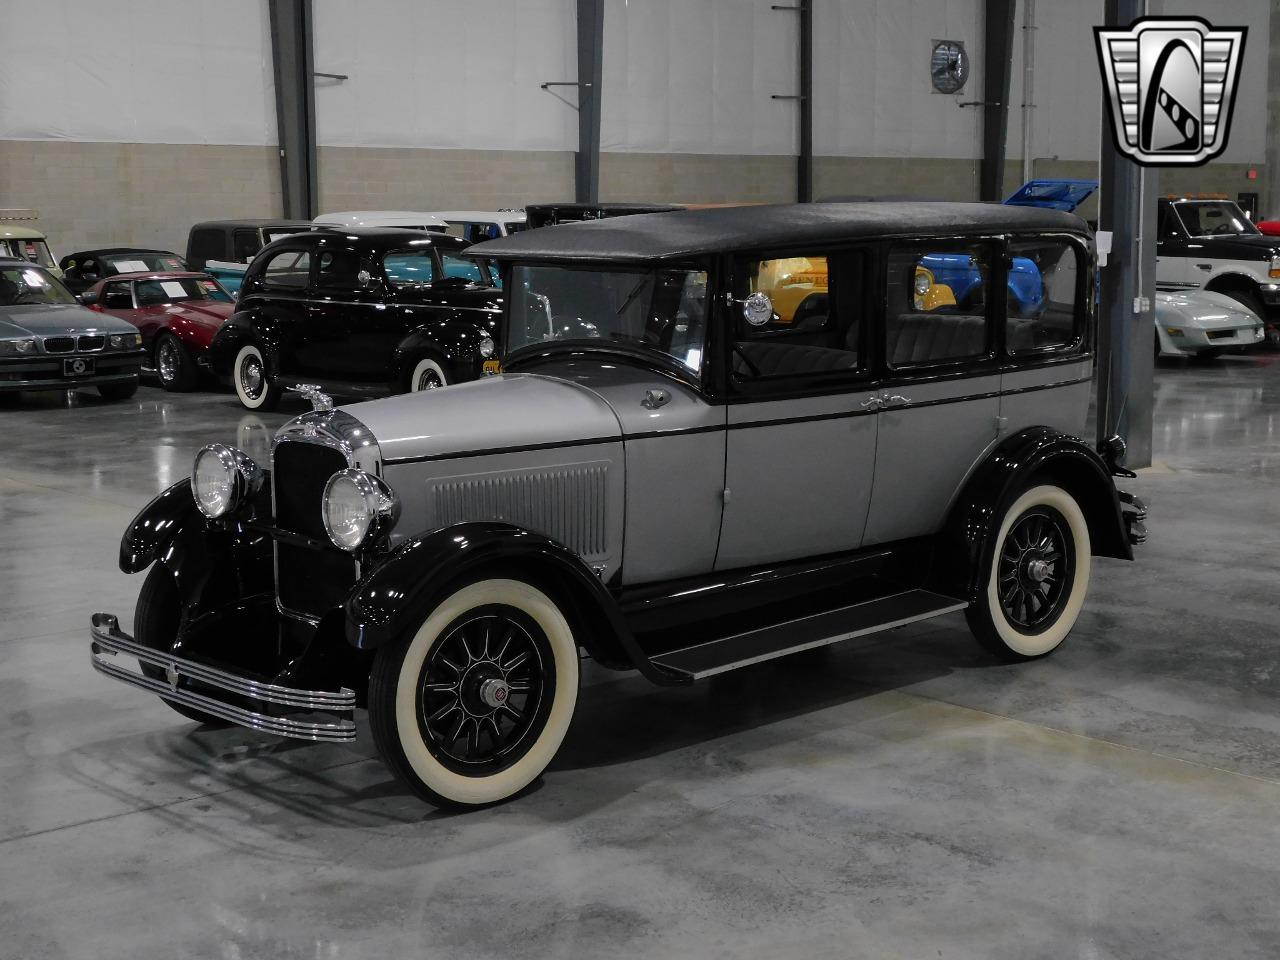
[(757, 309)]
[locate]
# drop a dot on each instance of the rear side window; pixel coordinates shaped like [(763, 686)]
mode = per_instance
[(936, 304), (407, 267), (288, 268), (1044, 284), (205, 245)]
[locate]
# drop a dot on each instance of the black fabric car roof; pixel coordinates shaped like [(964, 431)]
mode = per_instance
[(686, 233), (108, 251)]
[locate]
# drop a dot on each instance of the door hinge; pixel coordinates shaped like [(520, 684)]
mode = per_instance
[(1002, 424), (725, 494)]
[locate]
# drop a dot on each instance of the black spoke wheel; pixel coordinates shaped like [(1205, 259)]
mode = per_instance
[(1036, 564), (1033, 576), (485, 691), (469, 706)]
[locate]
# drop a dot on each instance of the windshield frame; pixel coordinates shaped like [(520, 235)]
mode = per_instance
[(1253, 230), (539, 351)]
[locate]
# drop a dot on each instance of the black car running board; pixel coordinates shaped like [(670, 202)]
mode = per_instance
[(756, 646)]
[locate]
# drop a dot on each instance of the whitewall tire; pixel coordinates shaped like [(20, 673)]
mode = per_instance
[(427, 375), (252, 380), (1036, 578), (471, 708)]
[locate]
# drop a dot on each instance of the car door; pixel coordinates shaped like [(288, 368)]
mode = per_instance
[(1172, 253), (277, 302), (940, 385), (351, 330), (800, 435)]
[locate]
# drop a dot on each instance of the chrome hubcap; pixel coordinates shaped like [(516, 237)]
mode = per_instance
[(428, 380), (251, 376), (494, 692), (167, 360)]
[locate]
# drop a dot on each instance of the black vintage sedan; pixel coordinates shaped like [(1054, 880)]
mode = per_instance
[(361, 313)]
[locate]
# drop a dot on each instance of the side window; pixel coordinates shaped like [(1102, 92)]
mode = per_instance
[(245, 245), (797, 316), (288, 269), (205, 245), (407, 267), (117, 296), (340, 270), (1042, 293), (463, 269), (936, 304), (1169, 228)]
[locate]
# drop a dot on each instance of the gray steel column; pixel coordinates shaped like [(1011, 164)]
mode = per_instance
[(586, 166), (1126, 208), (997, 60), (1270, 200), (291, 56), (804, 162)]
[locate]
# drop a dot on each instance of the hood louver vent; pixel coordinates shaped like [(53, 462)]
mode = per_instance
[(565, 503)]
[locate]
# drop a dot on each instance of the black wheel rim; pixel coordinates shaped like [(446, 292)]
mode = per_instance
[(486, 690), (251, 376), (167, 360), (1036, 568)]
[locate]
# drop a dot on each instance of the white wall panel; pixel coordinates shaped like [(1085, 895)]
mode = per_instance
[(144, 71), (696, 76), (446, 74), (872, 93)]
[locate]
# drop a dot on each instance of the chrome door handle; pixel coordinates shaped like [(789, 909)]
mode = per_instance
[(895, 400), (871, 403), (653, 399)]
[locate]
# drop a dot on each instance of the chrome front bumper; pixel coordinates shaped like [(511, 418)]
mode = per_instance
[(285, 711)]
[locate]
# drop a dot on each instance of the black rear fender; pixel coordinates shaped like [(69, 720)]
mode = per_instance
[(1035, 456)]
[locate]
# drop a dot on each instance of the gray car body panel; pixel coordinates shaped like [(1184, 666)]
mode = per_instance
[(57, 320)]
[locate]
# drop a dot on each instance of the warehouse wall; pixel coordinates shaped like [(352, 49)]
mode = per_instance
[(125, 123)]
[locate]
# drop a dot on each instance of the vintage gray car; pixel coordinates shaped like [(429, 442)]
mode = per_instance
[(668, 476)]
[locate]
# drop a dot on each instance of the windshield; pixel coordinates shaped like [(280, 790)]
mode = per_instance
[(143, 262), (1215, 218), (464, 268), (663, 311), (19, 285), (37, 251), (153, 293)]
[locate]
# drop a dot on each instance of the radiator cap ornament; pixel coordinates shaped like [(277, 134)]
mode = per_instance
[(320, 401)]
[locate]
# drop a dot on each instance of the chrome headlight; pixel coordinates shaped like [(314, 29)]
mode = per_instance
[(125, 341), (10, 348), (923, 282), (486, 348), (223, 478), (358, 508)]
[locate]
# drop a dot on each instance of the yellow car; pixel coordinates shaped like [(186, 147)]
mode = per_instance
[(791, 281)]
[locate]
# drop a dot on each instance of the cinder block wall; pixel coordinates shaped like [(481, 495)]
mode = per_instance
[(375, 178), (135, 194)]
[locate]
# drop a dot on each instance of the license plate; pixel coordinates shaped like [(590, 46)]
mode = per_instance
[(492, 366), (77, 367)]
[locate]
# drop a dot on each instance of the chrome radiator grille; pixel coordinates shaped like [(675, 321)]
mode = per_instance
[(565, 503)]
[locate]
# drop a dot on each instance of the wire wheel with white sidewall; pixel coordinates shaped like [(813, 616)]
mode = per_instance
[(427, 375), (471, 707), (1036, 576), (252, 381), (175, 368)]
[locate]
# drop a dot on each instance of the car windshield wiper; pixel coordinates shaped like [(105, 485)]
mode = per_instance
[(635, 292)]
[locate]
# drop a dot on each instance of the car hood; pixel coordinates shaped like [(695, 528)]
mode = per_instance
[(1249, 246), (494, 414), (1202, 310), (207, 314), (51, 320)]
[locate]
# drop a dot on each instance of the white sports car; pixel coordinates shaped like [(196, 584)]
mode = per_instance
[(1197, 323)]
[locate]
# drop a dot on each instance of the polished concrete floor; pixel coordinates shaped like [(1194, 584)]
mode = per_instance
[(903, 796)]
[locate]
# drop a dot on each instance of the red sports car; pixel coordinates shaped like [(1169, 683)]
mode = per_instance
[(177, 312)]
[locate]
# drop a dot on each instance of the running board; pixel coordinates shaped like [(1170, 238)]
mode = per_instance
[(756, 646)]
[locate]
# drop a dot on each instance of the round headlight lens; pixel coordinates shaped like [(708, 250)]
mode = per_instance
[(923, 281), (213, 480), (486, 348), (222, 478), (357, 506)]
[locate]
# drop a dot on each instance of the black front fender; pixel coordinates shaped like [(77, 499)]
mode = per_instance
[(400, 593), (157, 525), (1040, 454)]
